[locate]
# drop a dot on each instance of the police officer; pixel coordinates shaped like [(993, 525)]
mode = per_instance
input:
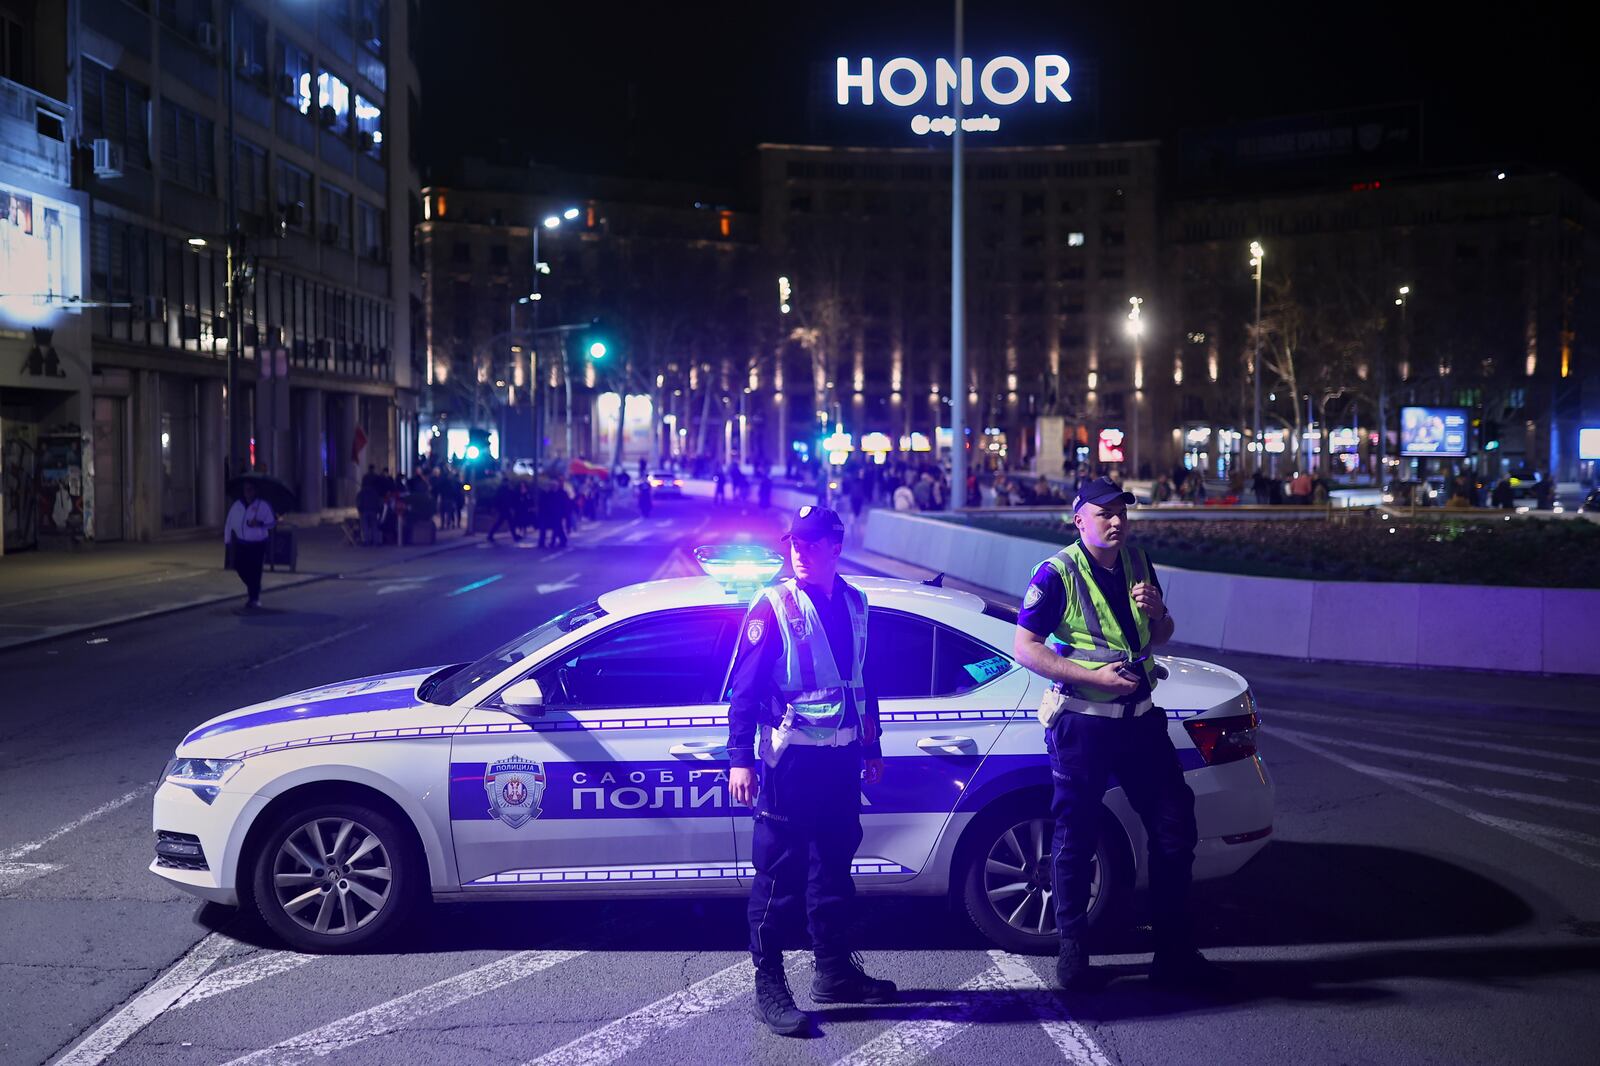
[(1089, 619), (799, 682)]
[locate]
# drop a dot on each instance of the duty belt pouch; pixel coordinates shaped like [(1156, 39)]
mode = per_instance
[(1051, 706), (774, 739)]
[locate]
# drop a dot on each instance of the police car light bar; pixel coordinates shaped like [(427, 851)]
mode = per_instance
[(738, 565)]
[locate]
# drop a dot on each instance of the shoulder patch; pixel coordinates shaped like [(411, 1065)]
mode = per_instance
[(1031, 598), (754, 630)]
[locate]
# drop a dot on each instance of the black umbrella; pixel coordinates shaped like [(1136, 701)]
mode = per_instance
[(280, 497)]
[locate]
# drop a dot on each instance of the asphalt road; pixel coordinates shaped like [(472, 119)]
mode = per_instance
[(1432, 893)]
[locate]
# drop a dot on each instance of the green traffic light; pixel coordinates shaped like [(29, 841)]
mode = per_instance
[(597, 350)]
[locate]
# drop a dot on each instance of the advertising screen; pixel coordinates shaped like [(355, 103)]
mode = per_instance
[(1440, 431), (1589, 443), (1111, 445)]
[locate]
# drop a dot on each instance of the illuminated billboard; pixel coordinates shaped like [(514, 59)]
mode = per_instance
[(1589, 443), (1433, 431), (1111, 445)]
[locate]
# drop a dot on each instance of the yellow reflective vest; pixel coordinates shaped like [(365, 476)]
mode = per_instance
[(1089, 633)]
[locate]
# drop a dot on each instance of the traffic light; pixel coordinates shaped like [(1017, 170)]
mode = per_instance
[(1491, 434), (596, 349), (477, 450)]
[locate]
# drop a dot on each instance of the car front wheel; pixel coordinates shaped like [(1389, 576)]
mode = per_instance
[(1009, 890), (336, 877)]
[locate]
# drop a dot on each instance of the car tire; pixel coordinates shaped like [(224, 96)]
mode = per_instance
[(351, 893), (1022, 920)]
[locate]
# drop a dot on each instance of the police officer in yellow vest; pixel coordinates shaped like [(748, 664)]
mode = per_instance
[(1089, 620), (799, 681)]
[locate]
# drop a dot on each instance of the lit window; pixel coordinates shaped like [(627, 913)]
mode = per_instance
[(1074, 240), (333, 102), (369, 127), (294, 78)]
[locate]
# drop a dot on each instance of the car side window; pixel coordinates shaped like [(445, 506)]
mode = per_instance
[(961, 664), (899, 655), (671, 659)]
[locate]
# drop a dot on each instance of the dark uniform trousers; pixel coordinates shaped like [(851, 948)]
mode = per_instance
[(1085, 751), (807, 829)]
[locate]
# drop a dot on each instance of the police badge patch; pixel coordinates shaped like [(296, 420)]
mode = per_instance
[(1032, 596), (515, 786), (753, 631)]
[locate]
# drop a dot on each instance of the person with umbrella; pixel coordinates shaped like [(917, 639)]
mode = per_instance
[(250, 523)]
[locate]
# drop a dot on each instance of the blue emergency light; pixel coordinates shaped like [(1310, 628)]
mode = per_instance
[(738, 566)]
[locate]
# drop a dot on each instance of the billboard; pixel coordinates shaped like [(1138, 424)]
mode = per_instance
[(1111, 446), (1589, 443), (1435, 431)]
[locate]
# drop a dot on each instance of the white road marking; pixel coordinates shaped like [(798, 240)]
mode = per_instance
[(13, 874), (1076, 1044), (564, 583), (148, 1005), (1498, 793), (404, 584), (636, 537), (1538, 836), (1427, 756), (610, 1042), (302, 649), (83, 819), (400, 1012), (1462, 741), (916, 1038), (256, 968)]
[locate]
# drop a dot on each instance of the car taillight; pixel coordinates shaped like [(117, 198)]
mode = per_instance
[(1223, 740)]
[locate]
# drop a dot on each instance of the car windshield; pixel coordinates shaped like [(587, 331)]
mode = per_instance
[(448, 688)]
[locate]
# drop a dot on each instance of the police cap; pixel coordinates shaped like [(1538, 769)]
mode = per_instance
[(815, 523), (1101, 491)]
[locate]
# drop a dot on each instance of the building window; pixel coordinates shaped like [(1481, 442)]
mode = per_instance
[(1075, 239), (250, 31), (498, 256), (251, 163), (369, 127), (333, 103), (186, 148), (370, 232), (333, 215), (15, 51), (118, 110), (294, 77), (461, 252), (370, 25), (294, 195)]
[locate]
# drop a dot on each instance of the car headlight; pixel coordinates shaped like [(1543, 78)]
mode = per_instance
[(203, 777)]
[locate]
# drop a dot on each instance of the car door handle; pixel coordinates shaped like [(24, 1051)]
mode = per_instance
[(704, 750), (948, 745)]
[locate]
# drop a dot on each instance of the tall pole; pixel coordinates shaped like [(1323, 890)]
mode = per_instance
[(533, 358), (1136, 327), (958, 298), (235, 461), (1258, 256)]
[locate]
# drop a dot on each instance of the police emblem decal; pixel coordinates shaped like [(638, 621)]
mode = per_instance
[(1033, 596), (514, 786), (753, 631), (804, 511)]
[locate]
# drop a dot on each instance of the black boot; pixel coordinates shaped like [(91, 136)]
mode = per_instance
[(1188, 970), (775, 1004), (1073, 972), (842, 980)]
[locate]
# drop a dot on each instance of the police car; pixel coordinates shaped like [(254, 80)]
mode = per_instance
[(586, 758)]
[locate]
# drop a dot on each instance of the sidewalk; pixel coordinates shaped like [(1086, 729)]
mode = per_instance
[(47, 594), (1378, 688)]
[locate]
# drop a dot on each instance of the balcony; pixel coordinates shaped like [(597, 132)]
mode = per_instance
[(33, 132)]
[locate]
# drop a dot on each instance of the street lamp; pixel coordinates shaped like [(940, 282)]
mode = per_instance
[(1258, 258), (550, 222), (1135, 329)]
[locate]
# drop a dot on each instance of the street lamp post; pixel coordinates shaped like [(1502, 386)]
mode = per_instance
[(1258, 256), (1136, 331), (550, 222), (958, 300), (236, 450), (1404, 292)]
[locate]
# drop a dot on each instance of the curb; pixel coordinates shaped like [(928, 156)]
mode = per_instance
[(139, 616)]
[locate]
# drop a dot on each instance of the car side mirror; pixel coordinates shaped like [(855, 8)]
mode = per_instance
[(524, 697)]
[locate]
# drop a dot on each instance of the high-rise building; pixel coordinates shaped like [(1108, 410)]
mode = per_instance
[(322, 179), (1059, 240)]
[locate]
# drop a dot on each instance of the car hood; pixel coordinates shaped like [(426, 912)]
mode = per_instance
[(382, 701)]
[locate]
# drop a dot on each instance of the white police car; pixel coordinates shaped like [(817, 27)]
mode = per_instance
[(586, 758)]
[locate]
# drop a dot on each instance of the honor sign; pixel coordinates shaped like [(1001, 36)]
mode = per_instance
[(1002, 81)]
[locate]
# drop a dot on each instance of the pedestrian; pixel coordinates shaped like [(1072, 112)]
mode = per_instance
[(369, 505), (764, 489), (505, 510), (249, 527), (903, 499), (815, 726), (1089, 619), (553, 505), (719, 490), (1258, 487)]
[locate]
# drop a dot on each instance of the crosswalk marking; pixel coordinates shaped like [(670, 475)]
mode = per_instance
[(402, 1011), (256, 968), (610, 1042), (148, 1005), (1075, 1043), (1428, 756)]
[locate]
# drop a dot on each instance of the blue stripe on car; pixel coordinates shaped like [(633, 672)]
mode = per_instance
[(359, 703)]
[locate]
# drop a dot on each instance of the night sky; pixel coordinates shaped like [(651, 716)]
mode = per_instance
[(686, 90)]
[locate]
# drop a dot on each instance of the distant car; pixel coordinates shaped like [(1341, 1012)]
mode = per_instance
[(587, 758), (663, 485), (1591, 502), (1413, 494)]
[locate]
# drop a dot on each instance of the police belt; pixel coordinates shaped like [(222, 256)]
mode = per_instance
[(1106, 710), (838, 738)]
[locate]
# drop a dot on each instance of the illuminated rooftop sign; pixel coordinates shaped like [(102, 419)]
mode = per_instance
[(1003, 81)]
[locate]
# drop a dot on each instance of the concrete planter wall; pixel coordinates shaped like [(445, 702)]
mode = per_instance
[(1521, 630)]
